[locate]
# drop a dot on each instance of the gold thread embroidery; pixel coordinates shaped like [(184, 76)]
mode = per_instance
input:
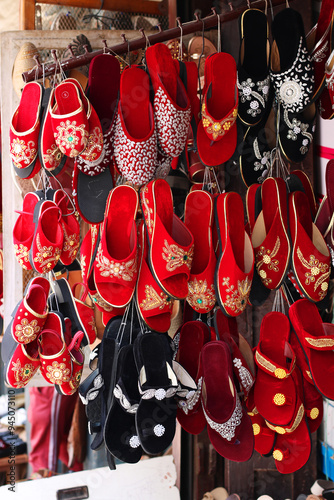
[(47, 257), (320, 342), (220, 128), (22, 255), (23, 374), (53, 157), (315, 267), (153, 300), (289, 430), (68, 135), (27, 332), (264, 362), (21, 152), (176, 257), (279, 399), (148, 212), (57, 373), (266, 257), (236, 298), (200, 295), (278, 455), (314, 413), (121, 270)]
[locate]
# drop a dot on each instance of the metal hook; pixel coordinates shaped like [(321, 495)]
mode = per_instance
[(85, 47), (287, 4), (71, 50), (197, 15), (105, 47), (230, 5), (179, 23), (143, 34), (36, 57), (248, 4), (160, 28)]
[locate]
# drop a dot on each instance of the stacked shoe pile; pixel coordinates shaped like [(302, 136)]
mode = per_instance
[(48, 340)]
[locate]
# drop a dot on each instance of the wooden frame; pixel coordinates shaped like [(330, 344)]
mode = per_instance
[(152, 7)]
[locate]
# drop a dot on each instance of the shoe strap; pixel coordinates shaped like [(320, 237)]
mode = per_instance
[(291, 428), (215, 130), (76, 341), (22, 212), (320, 343), (271, 368)]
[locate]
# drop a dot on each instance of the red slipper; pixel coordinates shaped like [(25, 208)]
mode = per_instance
[(23, 232), (23, 365), (311, 262), (24, 130), (154, 305), (171, 103), (317, 342), (217, 131), (48, 238), (32, 312), (307, 188), (198, 217), (264, 438), (235, 266), (192, 336), (69, 120), (115, 267), (253, 203), (70, 227), (171, 245), (229, 427), (77, 359), (135, 142), (275, 391), (270, 236)]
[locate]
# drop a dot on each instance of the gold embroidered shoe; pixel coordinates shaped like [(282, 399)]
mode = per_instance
[(217, 131), (311, 262), (23, 232), (116, 262), (171, 245), (270, 236), (317, 342)]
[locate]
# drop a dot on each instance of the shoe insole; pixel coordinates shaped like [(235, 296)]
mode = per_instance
[(254, 46), (287, 28), (274, 333), (67, 98), (221, 77), (28, 109)]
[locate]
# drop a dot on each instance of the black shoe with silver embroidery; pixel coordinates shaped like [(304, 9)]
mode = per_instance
[(253, 67), (295, 132), (291, 73)]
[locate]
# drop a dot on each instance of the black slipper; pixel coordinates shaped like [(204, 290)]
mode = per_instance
[(156, 413), (120, 435)]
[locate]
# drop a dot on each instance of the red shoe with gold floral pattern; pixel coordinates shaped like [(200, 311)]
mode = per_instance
[(171, 244), (32, 312), (77, 358), (235, 266), (23, 365), (69, 120), (70, 226), (270, 234), (198, 217), (24, 131), (23, 232), (171, 102), (116, 263), (311, 261), (48, 238)]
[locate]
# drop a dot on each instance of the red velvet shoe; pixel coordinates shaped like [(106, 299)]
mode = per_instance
[(270, 236), (198, 217), (192, 337), (70, 226), (154, 306), (327, 97), (235, 266), (23, 365), (301, 179), (23, 232), (217, 131), (48, 238), (171, 245), (32, 312), (264, 438), (275, 392), (229, 427), (77, 359), (69, 120), (253, 203), (311, 262), (24, 131), (135, 142), (317, 342), (116, 264), (171, 103)]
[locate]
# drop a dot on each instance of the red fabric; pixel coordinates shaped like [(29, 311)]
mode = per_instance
[(324, 152), (50, 416)]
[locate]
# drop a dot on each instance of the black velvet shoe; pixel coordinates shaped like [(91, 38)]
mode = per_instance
[(156, 413), (253, 67)]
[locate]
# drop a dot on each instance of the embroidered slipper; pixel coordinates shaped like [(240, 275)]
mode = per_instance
[(235, 265), (170, 242), (244, 371), (90, 194), (77, 359), (229, 427), (198, 217), (102, 91), (48, 238), (320, 44), (299, 181), (70, 227), (291, 70), (275, 391), (326, 103), (199, 49), (23, 231), (50, 156), (69, 119), (154, 305), (121, 439), (217, 132), (295, 132), (311, 262), (317, 341), (324, 219), (264, 438), (157, 383), (192, 336), (172, 109), (116, 264), (135, 142), (24, 131), (32, 312), (270, 234), (253, 66)]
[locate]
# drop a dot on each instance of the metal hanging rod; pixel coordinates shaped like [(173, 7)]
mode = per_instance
[(44, 70)]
